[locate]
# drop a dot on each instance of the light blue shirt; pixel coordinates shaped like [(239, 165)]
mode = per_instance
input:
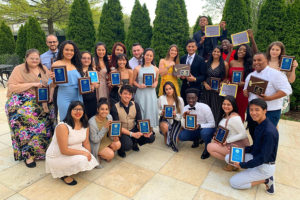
[(46, 58)]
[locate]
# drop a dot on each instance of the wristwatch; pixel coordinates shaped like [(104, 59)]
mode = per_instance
[(130, 134)]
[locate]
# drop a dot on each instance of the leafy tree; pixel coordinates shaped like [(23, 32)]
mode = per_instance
[(139, 29), (270, 23), (21, 42), (183, 25), (214, 8), (35, 36), (81, 27), (111, 27), (235, 15), (7, 41), (197, 28)]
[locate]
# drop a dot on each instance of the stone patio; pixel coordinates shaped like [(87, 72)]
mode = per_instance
[(154, 173)]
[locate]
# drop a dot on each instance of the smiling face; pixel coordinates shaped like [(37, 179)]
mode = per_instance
[(257, 113), (203, 22), (173, 52), (137, 51), (227, 107), (77, 112), (68, 51), (52, 43), (242, 52), (275, 51), (191, 48), (259, 62), (122, 63), (216, 53), (148, 57), (191, 99), (86, 59), (225, 44), (169, 90), (126, 96), (101, 51), (119, 50), (33, 59), (103, 111)]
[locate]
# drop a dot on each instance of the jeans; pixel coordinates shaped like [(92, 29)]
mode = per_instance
[(205, 134)]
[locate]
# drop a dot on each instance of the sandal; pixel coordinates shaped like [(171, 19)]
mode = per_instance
[(30, 165), (230, 168), (74, 182)]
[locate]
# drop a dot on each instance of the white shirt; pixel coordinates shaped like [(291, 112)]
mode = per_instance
[(191, 59), (277, 81), (162, 100), (134, 62), (204, 115), (236, 129)]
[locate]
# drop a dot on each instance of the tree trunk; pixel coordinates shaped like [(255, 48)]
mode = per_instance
[(50, 26)]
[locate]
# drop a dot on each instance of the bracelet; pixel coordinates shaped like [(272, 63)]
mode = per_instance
[(130, 134)]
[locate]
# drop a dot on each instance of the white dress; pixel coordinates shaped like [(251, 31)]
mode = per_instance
[(60, 165)]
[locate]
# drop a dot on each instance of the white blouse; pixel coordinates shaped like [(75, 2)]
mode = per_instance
[(162, 100)]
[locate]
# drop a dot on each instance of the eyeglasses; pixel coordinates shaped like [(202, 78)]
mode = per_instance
[(52, 42), (77, 110)]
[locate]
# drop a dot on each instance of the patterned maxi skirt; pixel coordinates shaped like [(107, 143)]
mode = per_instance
[(31, 128)]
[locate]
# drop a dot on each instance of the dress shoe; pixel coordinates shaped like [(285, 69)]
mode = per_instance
[(195, 144), (122, 154), (135, 147), (205, 155)]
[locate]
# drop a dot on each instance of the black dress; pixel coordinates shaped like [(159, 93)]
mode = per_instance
[(114, 96), (90, 103)]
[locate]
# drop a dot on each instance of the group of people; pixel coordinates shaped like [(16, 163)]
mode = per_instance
[(81, 138)]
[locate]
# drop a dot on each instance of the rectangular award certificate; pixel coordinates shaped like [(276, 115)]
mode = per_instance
[(61, 75), (221, 134), (215, 83), (257, 85), (148, 79), (115, 128), (144, 126), (237, 76), (84, 85), (286, 63), (228, 89), (115, 78), (237, 155), (181, 70), (240, 38), (168, 111), (42, 94), (94, 76), (190, 122), (212, 31)]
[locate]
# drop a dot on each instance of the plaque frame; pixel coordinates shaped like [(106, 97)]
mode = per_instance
[(80, 85), (120, 128), (228, 85), (232, 148), (210, 27), (286, 57), (143, 121), (195, 122), (225, 134), (144, 79), (64, 68), (239, 43), (170, 106), (91, 72), (38, 96)]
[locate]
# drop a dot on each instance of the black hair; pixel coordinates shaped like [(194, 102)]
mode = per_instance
[(69, 119), (90, 68), (120, 57), (175, 95), (126, 87), (102, 100), (228, 40), (75, 59), (261, 53), (105, 58), (248, 59), (221, 60), (146, 50), (204, 17), (192, 90), (259, 102), (190, 41), (136, 44)]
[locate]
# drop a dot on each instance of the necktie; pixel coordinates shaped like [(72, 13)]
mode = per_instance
[(53, 59), (140, 61), (192, 108), (189, 59)]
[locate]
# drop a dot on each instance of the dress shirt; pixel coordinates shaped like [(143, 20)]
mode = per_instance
[(277, 81), (190, 58), (134, 62), (265, 144), (162, 100), (204, 115), (46, 58)]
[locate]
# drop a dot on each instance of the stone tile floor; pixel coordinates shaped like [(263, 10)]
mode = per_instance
[(154, 173)]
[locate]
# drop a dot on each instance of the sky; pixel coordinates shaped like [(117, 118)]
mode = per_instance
[(194, 8)]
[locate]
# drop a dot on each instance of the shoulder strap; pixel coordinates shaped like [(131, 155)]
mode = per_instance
[(228, 119)]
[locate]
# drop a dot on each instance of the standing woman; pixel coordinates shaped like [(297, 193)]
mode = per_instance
[(166, 67), (118, 48), (89, 99), (31, 125), (70, 151), (69, 56), (102, 66), (216, 68), (170, 128), (242, 62), (146, 96), (126, 73)]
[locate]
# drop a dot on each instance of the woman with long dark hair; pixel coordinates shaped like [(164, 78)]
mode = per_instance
[(170, 128), (70, 151), (68, 55), (243, 59), (216, 68), (118, 48)]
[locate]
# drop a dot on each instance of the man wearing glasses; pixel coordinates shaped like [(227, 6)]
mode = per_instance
[(49, 56)]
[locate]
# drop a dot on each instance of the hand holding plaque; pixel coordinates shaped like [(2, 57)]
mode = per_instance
[(84, 85), (61, 75), (115, 128), (42, 94), (257, 85), (115, 78), (286, 63), (240, 38), (148, 79), (221, 134), (212, 31), (168, 111), (94, 76), (181, 70), (144, 126), (190, 122), (215, 83), (237, 155), (237, 76)]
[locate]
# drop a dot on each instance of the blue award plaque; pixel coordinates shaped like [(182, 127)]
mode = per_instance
[(60, 73), (286, 63), (237, 155), (237, 76), (115, 78), (168, 111), (42, 94), (144, 126), (84, 85), (148, 79), (94, 76), (240, 38), (221, 134), (190, 121), (215, 83), (212, 31), (115, 128)]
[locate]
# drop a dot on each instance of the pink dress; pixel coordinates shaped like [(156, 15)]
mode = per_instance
[(103, 89)]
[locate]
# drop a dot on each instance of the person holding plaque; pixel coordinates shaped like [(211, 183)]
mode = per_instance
[(102, 144), (237, 135), (170, 128), (166, 67), (31, 123), (70, 151), (129, 112), (198, 69), (69, 56), (102, 66), (206, 45), (118, 48), (89, 99), (146, 96), (239, 69), (260, 158), (126, 73), (205, 122), (278, 87), (216, 68)]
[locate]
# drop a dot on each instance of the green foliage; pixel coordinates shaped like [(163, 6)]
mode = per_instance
[(9, 59), (270, 23), (197, 28), (249, 12), (35, 36), (139, 29), (81, 27), (236, 16), (7, 41), (21, 42), (167, 29), (111, 28)]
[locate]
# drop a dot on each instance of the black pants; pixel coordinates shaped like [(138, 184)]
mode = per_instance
[(127, 141)]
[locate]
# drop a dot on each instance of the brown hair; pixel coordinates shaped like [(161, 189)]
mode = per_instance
[(176, 59), (113, 61), (175, 96), (281, 46), (28, 52)]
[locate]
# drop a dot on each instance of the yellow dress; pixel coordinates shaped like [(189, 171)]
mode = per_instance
[(168, 77)]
